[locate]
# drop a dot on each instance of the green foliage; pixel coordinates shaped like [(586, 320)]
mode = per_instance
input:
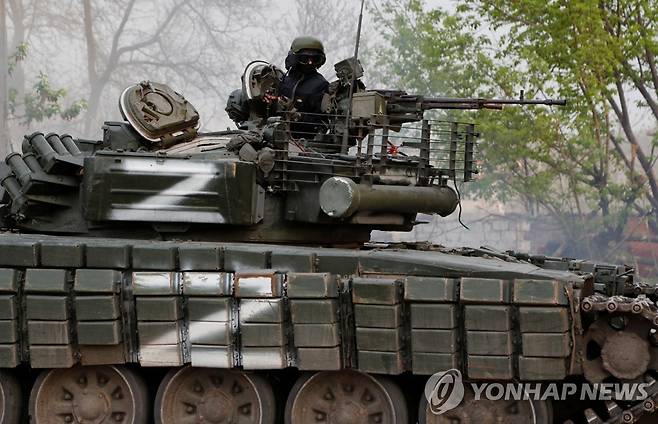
[(555, 160), (18, 56), (44, 101)]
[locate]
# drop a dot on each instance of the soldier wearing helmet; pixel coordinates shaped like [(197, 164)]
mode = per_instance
[(301, 89), (303, 85)]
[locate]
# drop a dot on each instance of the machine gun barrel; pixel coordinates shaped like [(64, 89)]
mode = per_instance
[(405, 103)]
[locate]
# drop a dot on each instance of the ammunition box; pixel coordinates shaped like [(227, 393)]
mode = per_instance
[(320, 359), (381, 362), (199, 258), (155, 283), (263, 358), (490, 367), (435, 341), (376, 291), (485, 290), (533, 369), (48, 332), (337, 263), (207, 283), (544, 320), (263, 335), (15, 254), (293, 262), (211, 356), (101, 355), (115, 257), (210, 333), (427, 289), (46, 281), (304, 285), (433, 316), (553, 345), (8, 332), (209, 308), (7, 306), (489, 343), (258, 286), (378, 316), (314, 311), (316, 335), (8, 355), (166, 308), (49, 308), (161, 355), (431, 363), (51, 356), (154, 258), (97, 281), (261, 310), (99, 332), (98, 308), (62, 255), (238, 259), (379, 339), (159, 333), (539, 292), (8, 280), (488, 318)]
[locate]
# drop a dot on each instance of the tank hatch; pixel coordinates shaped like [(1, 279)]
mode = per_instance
[(158, 113)]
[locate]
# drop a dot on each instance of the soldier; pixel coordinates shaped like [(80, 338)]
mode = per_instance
[(303, 87)]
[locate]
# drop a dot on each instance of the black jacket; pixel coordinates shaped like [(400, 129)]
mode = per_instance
[(307, 91)]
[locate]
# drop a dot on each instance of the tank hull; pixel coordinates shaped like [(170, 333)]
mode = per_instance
[(405, 312)]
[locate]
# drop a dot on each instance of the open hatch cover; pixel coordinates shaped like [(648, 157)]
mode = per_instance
[(158, 113)]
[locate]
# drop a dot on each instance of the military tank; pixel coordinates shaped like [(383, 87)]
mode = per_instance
[(164, 275)]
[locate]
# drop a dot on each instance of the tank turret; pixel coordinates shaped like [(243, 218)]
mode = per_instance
[(155, 176)]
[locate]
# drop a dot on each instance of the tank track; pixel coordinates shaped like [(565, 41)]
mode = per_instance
[(644, 308)]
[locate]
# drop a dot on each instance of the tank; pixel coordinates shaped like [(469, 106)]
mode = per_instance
[(164, 275)]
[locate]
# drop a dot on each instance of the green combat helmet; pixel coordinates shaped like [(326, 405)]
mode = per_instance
[(306, 45)]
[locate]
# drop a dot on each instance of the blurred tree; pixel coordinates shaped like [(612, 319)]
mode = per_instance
[(4, 72), (569, 162), (19, 106)]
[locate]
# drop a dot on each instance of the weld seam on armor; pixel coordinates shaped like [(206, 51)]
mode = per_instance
[(348, 326), (185, 324), (517, 338), (288, 333), (235, 323), (405, 312), (129, 318), (460, 312), (73, 318), (23, 345)]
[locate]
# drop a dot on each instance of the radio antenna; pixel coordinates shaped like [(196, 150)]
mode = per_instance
[(355, 64)]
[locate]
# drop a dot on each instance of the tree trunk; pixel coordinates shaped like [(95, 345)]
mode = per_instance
[(4, 73)]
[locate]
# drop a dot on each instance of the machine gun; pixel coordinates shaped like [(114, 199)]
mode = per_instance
[(401, 107)]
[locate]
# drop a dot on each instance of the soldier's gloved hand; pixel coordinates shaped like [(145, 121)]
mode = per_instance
[(270, 98)]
